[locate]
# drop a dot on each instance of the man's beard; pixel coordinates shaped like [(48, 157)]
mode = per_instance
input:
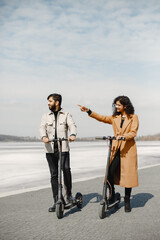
[(53, 108)]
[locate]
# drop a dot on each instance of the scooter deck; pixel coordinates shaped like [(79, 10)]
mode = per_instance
[(109, 206), (116, 202), (70, 205)]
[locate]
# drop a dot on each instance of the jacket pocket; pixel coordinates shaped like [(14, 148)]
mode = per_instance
[(49, 124), (63, 126), (49, 127)]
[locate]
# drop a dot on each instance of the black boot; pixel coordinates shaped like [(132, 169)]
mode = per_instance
[(53, 207), (70, 198), (127, 207)]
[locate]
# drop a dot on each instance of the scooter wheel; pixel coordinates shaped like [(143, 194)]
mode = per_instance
[(59, 210), (101, 211), (79, 199)]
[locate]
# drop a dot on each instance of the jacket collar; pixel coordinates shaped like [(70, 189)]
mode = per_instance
[(60, 111)]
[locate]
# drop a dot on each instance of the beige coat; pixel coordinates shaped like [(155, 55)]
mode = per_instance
[(64, 123), (128, 151)]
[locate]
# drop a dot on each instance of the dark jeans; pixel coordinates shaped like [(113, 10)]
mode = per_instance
[(52, 159), (114, 165)]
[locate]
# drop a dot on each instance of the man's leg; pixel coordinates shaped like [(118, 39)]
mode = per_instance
[(67, 174), (52, 159)]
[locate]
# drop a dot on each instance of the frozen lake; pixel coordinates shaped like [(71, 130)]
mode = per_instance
[(23, 166)]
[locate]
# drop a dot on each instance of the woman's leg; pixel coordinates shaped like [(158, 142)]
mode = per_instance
[(115, 163), (128, 192), (127, 206)]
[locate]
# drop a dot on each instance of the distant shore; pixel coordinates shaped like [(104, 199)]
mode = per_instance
[(10, 138)]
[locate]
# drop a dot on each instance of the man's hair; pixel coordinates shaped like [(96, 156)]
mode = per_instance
[(126, 102), (56, 97)]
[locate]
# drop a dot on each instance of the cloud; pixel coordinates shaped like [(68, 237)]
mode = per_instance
[(57, 33), (90, 51)]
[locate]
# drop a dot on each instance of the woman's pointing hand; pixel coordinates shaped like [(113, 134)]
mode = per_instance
[(82, 108)]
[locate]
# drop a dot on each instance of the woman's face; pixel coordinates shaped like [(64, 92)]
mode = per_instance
[(119, 107)]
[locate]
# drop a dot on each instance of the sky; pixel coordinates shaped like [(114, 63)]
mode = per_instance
[(88, 51)]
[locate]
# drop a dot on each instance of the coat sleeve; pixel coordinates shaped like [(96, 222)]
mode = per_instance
[(134, 129), (43, 132), (71, 124), (101, 118)]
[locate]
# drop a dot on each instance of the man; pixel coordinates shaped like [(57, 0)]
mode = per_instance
[(56, 124)]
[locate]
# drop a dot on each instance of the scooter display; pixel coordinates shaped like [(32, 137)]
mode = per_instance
[(61, 204), (105, 203)]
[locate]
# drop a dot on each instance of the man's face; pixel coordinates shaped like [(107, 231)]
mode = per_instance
[(51, 103)]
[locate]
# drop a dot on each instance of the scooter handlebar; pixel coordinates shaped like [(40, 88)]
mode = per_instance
[(58, 140), (110, 138)]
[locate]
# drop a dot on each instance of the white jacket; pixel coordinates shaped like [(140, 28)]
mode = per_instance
[(64, 123)]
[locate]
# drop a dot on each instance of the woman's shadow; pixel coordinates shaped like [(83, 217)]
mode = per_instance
[(137, 201), (140, 199)]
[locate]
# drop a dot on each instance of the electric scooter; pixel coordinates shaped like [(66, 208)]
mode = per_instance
[(105, 204), (61, 203)]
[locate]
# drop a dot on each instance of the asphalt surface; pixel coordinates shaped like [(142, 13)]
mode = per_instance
[(25, 216)]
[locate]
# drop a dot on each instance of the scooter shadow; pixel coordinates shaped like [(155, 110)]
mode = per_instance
[(91, 198), (87, 198), (72, 211)]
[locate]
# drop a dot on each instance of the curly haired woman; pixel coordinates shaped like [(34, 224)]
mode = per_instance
[(123, 163)]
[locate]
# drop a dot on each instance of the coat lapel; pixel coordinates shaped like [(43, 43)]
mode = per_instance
[(118, 122), (126, 123)]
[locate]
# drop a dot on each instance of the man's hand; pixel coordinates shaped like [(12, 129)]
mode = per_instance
[(45, 140), (71, 138)]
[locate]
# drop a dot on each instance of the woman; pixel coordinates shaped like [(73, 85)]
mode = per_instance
[(123, 163)]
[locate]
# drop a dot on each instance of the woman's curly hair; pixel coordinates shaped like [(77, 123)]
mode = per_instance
[(125, 101)]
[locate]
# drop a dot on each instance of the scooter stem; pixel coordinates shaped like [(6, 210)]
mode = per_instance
[(60, 172), (107, 170)]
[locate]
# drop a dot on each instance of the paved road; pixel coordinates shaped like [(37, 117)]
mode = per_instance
[(25, 216)]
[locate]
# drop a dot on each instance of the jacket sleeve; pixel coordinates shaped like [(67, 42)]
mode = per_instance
[(43, 132), (101, 118), (71, 124), (134, 129)]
